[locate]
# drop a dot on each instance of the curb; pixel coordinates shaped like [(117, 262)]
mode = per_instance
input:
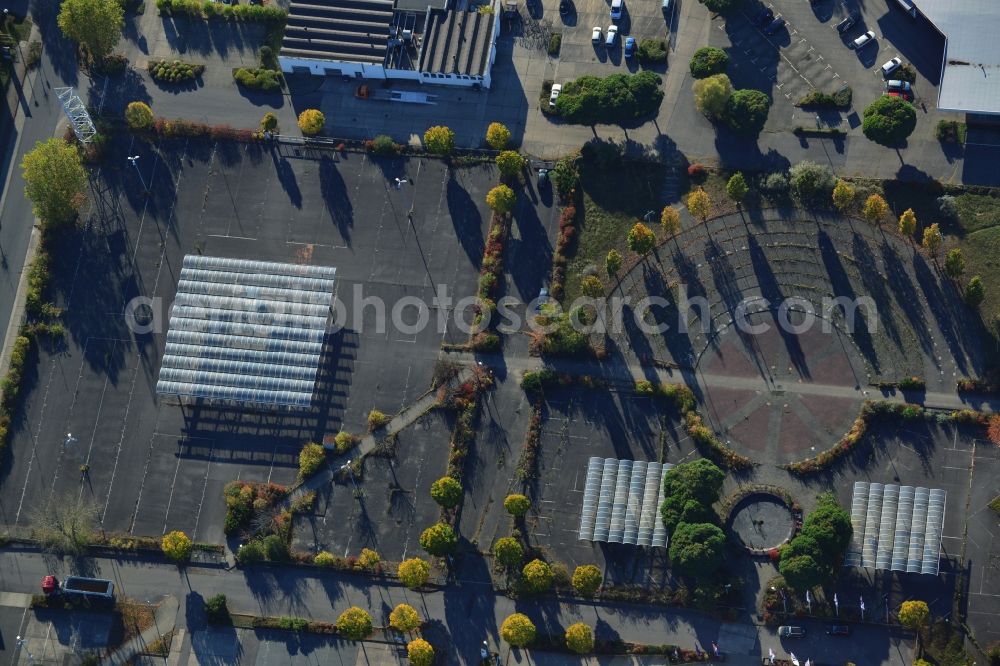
[(17, 313)]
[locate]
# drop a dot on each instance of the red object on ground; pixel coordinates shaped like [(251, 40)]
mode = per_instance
[(49, 584)]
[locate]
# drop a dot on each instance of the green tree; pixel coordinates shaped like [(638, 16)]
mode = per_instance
[(830, 525), (354, 623), (177, 546), (613, 263), (592, 287), (707, 61), (843, 195), (510, 163), (699, 204), (974, 292), (138, 116), (580, 638), (311, 458), (447, 492), (404, 618), (537, 575), (875, 209), (311, 122), (802, 572), (640, 239), (439, 539), (718, 6), (516, 504), (518, 630), (269, 122), (954, 263), (497, 136), (689, 490), (54, 181), (914, 614), (908, 223), (216, 610), (414, 572), (508, 552), (96, 25), (746, 111), (697, 549), (670, 221), (587, 579), (736, 187), (932, 239), (711, 95), (420, 652), (439, 140), (889, 120), (501, 199), (811, 184)]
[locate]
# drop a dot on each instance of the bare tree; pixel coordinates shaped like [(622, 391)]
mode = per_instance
[(63, 524)]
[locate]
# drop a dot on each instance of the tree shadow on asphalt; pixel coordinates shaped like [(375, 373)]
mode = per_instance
[(60, 51), (207, 36), (335, 196), (466, 219), (841, 285)]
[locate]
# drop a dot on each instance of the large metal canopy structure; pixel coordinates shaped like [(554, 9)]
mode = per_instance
[(896, 527), (246, 331), (621, 502)]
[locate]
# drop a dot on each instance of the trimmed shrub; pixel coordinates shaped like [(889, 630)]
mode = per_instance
[(516, 504), (497, 136), (354, 623), (420, 652), (174, 71), (139, 116), (439, 539), (439, 140), (652, 51), (587, 579), (177, 546), (414, 572), (889, 120), (518, 630), (707, 61), (447, 492), (580, 638), (260, 78), (311, 122), (537, 576)]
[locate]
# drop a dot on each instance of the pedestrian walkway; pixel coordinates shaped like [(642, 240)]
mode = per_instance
[(400, 421), (164, 622)]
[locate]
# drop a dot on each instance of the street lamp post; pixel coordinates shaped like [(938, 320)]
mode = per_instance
[(134, 159), (350, 472)]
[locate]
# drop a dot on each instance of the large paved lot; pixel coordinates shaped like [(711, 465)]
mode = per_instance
[(155, 466)]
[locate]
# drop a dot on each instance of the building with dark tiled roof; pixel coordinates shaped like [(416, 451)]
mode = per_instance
[(417, 40)]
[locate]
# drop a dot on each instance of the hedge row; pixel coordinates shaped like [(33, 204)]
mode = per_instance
[(174, 71), (684, 401), (567, 232), (210, 9), (258, 78), (869, 411)]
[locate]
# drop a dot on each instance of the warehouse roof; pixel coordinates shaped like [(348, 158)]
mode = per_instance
[(348, 30), (457, 42), (970, 78)]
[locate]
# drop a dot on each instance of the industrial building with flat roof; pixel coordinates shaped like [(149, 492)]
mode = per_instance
[(415, 40), (970, 68)]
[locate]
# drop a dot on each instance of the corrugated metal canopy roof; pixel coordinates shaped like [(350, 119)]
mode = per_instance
[(621, 502), (246, 331)]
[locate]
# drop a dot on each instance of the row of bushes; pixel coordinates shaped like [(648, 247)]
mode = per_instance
[(684, 401), (259, 78), (466, 401), (174, 71), (870, 410), (244, 498), (904, 384), (838, 100), (210, 9), (527, 463), (567, 232), (491, 268)]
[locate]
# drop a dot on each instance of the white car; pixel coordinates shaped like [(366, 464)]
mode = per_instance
[(554, 95), (891, 66), (864, 40), (612, 37), (616, 9), (597, 37)]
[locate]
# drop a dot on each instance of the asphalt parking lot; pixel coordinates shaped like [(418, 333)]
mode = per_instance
[(154, 466), (388, 507), (578, 55), (810, 54)]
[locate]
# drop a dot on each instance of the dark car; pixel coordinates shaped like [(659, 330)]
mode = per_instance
[(775, 25), (839, 630), (847, 22), (764, 16), (565, 7)]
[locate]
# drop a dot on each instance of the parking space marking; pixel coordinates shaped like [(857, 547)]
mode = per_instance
[(170, 499)]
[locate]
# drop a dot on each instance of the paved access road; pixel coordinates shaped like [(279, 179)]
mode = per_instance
[(464, 612)]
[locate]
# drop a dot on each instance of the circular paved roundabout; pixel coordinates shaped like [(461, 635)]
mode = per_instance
[(783, 393), (761, 521)]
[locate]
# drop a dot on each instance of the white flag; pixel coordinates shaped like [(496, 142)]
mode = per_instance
[(795, 660), (862, 603), (770, 653), (835, 602), (808, 663), (808, 598)]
